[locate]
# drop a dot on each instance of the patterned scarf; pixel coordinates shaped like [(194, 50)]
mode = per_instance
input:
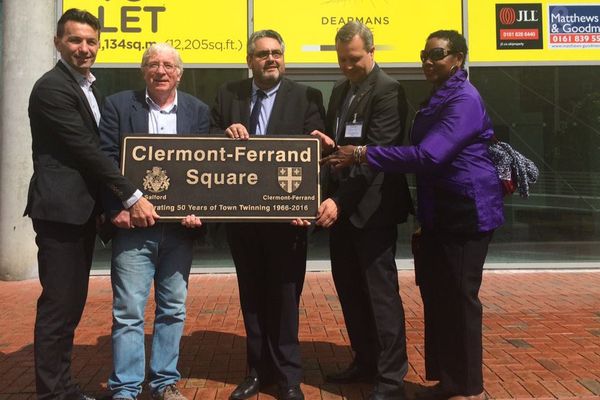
[(514, 166)]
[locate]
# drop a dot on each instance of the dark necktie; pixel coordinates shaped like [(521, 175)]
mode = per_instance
[(344, 111), (260, 95)]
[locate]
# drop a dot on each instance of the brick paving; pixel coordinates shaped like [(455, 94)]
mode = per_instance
[(541, 337)]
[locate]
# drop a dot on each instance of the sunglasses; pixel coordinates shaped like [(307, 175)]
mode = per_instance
[(436, 54)]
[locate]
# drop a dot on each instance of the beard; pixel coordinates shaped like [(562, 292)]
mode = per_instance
[(270, 75)]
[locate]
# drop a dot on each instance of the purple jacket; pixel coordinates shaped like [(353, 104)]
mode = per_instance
[(458, 189)]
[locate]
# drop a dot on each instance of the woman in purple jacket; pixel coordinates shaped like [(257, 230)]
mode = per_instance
[(459, 207)]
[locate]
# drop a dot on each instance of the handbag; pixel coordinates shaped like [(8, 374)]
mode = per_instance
[(516, 172)]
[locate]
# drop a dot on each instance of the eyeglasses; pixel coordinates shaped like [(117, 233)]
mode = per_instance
[(263, 55), (168, 67), (435, 54)]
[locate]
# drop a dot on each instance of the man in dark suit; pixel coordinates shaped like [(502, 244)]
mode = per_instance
[(161, 254), (69, 171), (270, 258), (367, 108)]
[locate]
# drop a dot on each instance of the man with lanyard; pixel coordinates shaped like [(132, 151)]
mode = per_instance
[(363, 209)]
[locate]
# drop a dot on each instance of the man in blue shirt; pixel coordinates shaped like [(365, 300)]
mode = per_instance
[(161, 254)]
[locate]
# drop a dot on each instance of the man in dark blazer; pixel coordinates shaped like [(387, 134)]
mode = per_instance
[(270, 258), (367, 108), (69, 172), (159, 256)]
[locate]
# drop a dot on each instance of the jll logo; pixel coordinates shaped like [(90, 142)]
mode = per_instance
[(508, 16)]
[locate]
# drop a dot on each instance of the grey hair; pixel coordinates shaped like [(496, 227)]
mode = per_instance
[(162, 48), (265, 33), (353, 28)]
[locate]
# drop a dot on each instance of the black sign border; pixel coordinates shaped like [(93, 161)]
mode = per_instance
[(231, 219)]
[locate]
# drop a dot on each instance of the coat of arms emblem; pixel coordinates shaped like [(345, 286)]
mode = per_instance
[(289, 178), (156, 180)]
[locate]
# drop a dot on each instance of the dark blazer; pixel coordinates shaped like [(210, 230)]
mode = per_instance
[(126, 112), (68, 166), (366, 197), (298, 109), (273, 250)]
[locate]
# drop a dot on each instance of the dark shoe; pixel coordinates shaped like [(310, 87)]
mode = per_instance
[(290, 393), (248, 388), (435, 392), (375, 395), (354, 373), (480, 396)]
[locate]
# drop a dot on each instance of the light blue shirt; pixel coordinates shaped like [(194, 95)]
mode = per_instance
[(267, 107), (162, 120), (85, 83)]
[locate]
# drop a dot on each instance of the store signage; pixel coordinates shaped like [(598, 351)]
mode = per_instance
[(574, 26), (203, 33), (215, 34), (519, 26), (543, 32), (400, 28)]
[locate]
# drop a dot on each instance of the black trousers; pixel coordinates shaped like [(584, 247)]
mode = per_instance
[(449, 279), (366, 279), (64, 261), (270, 262)]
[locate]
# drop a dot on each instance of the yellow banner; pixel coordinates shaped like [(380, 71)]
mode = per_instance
[(203, 32), (400, 28), (525, 32)]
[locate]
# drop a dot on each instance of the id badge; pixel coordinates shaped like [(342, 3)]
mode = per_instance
[(353, 130)]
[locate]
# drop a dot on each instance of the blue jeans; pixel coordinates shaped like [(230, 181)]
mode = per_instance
[(163, 254)]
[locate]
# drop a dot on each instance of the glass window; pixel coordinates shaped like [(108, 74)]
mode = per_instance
[(211, 251), (552, 116), (200, 82)]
